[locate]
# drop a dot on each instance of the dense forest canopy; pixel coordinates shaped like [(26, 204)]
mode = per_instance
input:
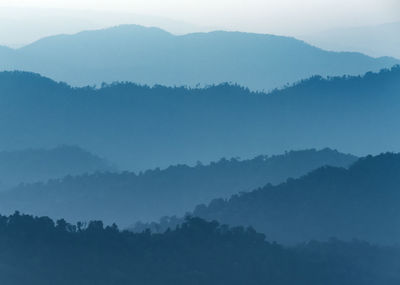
[(197, 252), (140, 127), (359, 202), (128, 197)]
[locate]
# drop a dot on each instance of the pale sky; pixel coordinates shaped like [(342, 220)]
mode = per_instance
[(284, 17)]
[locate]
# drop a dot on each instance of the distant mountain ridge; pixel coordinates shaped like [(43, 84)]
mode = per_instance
[(38, 165), (153, 56), (139, 127), (356, 203), (124, 197), (381, 40)]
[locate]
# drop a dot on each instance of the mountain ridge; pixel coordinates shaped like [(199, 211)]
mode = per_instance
[(132, 125), (38, 165), (121, 197), (375, 41), (354, 203), (152, 56)]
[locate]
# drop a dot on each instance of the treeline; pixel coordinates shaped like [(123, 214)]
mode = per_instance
[(141, 127), (128, 197), (38, 251), (359, 202)]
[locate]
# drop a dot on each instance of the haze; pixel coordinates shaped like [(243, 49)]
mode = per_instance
[(37, 18)]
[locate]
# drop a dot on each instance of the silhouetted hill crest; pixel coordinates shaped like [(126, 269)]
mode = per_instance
[(121, 197), (359, 202), (152, 56), (120, 115)]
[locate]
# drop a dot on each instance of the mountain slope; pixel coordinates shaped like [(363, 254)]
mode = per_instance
[(153, 56), (35, 165), (139, 127), (124, 197), (361, 202), (381, 40)]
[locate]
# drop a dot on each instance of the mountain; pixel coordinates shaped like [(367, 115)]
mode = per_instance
[(124, 197), (360, 202), (20, 26), (153, 56), (195, 253), (35, 165), (139, 127), (381, 40)]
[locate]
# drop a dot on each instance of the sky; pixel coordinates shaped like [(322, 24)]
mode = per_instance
[(283, 17)]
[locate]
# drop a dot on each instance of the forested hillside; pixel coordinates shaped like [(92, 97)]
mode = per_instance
[(127, 197), (361, 202), (37, 251), (139, 127), (133, 156)]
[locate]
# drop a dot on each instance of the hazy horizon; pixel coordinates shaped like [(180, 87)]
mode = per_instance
[(23, 22)]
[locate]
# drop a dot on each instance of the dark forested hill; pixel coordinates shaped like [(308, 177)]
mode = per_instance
[(153, 56), (35, 165), (128, 197), (198, 253), (361, 202), (140, 127)]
